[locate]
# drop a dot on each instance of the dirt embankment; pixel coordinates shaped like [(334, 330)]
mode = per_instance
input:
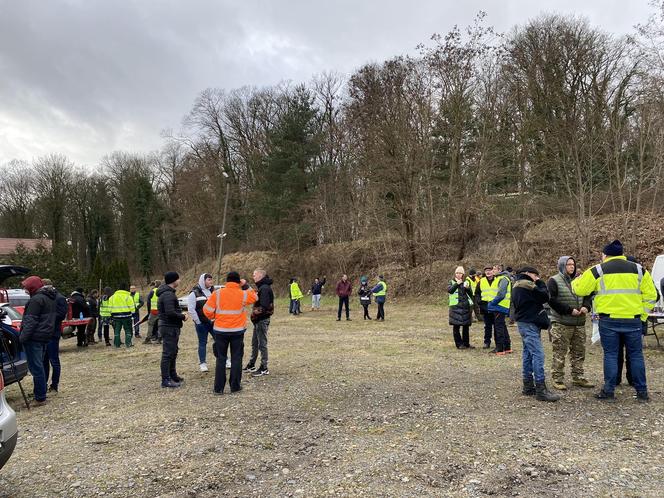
[(540, 245)]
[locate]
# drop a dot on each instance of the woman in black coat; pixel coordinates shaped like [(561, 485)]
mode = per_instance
[(461, 307)]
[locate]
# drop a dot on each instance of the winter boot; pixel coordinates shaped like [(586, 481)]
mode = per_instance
[(528, 387), (543, 394)]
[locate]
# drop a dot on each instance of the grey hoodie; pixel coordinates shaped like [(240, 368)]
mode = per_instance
[(191, 298)]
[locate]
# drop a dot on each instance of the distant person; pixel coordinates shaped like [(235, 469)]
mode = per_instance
[(122, 310), (316, 291), (37, 327), (486, 290), (500, 307), (260, 316), (138, 304), (474, 279), (152, 335), (195, 302), (296, 296), (80, 310), (344, 290), (529, 296), (623, 292), (225, 307), (170, 324), (93, 304), (365, 296), (380, 295), (568, 329), (460, 302), (105, 315), (52, 356)]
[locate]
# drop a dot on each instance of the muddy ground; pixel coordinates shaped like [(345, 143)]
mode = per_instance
[(350, 409)]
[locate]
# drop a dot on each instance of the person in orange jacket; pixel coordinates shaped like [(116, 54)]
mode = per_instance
[(225, 308)]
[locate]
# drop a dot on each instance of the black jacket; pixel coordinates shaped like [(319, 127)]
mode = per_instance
[(79, 305), (317, 288), (528, 298), (40, 317), (168, 307), (265, 300), (461, 313), (94, 306)]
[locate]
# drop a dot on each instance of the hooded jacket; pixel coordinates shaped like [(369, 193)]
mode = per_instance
[(264, 306), (562, 298), (40, 316), (169, 309), (79, 305), (196, 300), (528, 298)]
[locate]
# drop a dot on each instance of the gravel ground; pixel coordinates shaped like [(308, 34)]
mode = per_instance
[(350, 409)]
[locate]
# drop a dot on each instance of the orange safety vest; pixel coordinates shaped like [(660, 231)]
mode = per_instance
[(225, 307)]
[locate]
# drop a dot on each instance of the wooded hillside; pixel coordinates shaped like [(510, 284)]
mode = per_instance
[(468, 144)]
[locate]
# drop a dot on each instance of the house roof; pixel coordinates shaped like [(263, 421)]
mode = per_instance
[(8, 246)]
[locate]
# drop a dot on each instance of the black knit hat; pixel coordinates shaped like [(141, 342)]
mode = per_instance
[(170, 277), (615, 248), (233, 276)]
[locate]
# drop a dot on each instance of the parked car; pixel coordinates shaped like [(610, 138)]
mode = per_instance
[(8, 427), (12, 316), (13, 363)]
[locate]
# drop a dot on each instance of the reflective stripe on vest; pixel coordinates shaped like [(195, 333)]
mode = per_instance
[(604, 291), (220, 311)]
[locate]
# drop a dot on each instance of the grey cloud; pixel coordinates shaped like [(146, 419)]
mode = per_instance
[(87, 77)]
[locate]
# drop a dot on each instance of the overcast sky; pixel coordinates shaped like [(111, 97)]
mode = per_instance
[(86, 77)]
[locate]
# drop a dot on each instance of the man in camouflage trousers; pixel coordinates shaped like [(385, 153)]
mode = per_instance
[(568, 330)]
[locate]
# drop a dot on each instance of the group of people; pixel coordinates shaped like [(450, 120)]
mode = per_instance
[(344, 290), (218, 313), (619, 291)]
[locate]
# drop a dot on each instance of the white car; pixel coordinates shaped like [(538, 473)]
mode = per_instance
[(8, 427)]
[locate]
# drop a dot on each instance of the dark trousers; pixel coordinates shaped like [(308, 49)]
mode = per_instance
[(81, 339), (221, 343), (622, 360), (34, 354), (343, 301), (366, 311), (90, 330), (135, 318), (259, 343), (169, 353), (381, 311), (105, 325), (489, 326), (610, 330), (52, 359), (460, 340), (503, 341)]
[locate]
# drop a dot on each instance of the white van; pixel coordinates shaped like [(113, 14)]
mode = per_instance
[(657, 275)]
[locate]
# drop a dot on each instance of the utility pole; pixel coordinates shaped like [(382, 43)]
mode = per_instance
[(222, 235)]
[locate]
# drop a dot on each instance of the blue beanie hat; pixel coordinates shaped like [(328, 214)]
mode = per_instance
[(615, 248)]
